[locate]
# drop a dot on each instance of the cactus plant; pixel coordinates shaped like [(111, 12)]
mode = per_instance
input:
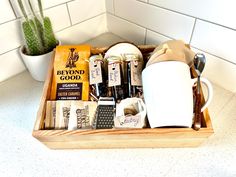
[(38, 32)]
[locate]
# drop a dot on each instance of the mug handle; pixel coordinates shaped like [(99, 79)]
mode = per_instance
[(207, 83)]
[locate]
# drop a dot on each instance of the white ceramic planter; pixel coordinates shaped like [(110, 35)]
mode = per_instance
[(37, 65)]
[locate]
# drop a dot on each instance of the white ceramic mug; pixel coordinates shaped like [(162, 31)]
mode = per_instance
[(168, 94)]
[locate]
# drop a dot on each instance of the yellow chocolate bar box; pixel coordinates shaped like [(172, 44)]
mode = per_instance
[(71, 73)]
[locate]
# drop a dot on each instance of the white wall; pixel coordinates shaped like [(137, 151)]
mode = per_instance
[(208, 25), (73, 22)]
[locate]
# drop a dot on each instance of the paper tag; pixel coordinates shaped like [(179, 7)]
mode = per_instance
[(114, 74), (136, 70), (95, 72), (128, 122)]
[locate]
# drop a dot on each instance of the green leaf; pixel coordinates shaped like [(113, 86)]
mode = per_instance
[(49, 37), (33, 46)]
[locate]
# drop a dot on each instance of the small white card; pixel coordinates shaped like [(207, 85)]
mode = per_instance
[(128, 122), (114, 78), (95, 72)]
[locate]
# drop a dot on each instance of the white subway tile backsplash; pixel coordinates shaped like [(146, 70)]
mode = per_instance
[(45, 3), (17, 9), (11, 32), (10, 36), (126, 30), (6, 12), (218, 11), (81, 10), (10, 64), (138, 21), (51, 3), (109, 6), (84, 31), (219, 71), (215, 39), (160, 20), (227, 76), (106, 39), (155, 38), (59, 17)]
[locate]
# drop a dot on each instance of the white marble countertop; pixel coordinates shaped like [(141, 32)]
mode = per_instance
[(24, 156)]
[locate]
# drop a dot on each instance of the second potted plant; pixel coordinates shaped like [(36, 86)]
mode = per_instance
[(39, 41)]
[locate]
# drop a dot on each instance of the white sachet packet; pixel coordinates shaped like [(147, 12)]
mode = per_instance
[(82, 114), (130, 113), (62, 114)]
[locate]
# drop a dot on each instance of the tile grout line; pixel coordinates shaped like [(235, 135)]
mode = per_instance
[(64, 29), (79, 23), (214, 55), (69, 14), (148, 3), (125, 20), (9, 21), (194, 24), (160, 33), (143, 1), (59, 31), (64, 3), (47, 8), (214, 23), (140, 25), (89, 18), (9, 51), (172, 38), (217, 24), (12, 8)]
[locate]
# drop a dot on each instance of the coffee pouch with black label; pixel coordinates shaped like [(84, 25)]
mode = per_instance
[(71, 73)]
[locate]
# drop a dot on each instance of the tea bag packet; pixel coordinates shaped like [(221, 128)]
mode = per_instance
[(71, 73), (50, 115), (173, 50), (62, 114), (134, 70), (115, 77), (130, 113), (96, 75), (82, 115)]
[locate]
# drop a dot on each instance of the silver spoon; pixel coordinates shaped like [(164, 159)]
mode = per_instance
[(199, 64)]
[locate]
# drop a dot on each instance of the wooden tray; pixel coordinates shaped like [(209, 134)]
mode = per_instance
[(109, 138)]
